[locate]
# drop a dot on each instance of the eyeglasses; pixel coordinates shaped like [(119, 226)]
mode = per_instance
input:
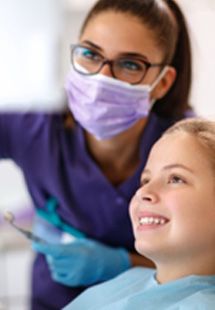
[(87, 61)]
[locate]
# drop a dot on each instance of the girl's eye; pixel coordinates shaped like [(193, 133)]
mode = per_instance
[(174, 179), (144, 181)]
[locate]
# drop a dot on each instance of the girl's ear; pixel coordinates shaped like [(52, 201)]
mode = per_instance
[(165, 83)]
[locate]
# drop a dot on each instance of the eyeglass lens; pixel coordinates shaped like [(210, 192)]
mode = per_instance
[(87, 61)]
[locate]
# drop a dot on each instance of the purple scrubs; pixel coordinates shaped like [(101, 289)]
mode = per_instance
[(56, 163)]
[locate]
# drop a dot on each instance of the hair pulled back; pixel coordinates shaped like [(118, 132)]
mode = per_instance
[(165, 18)]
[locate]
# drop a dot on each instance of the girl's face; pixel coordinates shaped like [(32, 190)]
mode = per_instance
[(114, 34), (173, 212)]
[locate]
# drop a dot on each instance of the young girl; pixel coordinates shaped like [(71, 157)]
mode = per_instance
[(172, 216), (129, 81)]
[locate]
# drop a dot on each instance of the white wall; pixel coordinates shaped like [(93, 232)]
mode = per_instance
[(29, 51), (201, 19)]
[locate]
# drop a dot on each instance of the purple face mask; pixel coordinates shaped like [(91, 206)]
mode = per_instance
[(105, 106)]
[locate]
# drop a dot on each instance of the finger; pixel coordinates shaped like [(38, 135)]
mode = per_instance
[(65, 279), (47, 249), (64, 265)]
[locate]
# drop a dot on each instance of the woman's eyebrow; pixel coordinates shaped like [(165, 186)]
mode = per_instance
[(124, 54), (92, 45), (134, 55)]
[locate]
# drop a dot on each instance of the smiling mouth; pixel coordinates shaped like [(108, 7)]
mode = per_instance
[(149, 220)]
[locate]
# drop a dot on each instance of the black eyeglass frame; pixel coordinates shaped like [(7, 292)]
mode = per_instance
[(111, 62)]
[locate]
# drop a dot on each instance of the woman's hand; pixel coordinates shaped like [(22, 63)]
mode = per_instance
[(83, 261)]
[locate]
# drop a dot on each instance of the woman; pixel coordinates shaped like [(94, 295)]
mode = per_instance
[(172, 215), (130, 80)]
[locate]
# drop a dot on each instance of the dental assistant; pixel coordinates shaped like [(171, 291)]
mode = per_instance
[(129, 81)]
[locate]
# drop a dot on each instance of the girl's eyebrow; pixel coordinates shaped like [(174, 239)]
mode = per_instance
[(128, 54), (169, 167), (181, 166), (145, 172)]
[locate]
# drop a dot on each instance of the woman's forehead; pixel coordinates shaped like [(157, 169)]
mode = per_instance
[(121, 32)]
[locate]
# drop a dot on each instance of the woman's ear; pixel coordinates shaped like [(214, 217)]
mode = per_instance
[(165, 83)]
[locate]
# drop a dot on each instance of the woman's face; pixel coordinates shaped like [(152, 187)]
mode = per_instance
[(115, 34), (173, 212)]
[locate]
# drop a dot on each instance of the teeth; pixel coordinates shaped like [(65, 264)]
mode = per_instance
[(151, 220), (157, 221)]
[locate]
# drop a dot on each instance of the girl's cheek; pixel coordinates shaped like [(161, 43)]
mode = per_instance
[(133, 208), (173, 202)]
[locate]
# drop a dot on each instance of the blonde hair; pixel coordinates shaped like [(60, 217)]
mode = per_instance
[(203, 130)]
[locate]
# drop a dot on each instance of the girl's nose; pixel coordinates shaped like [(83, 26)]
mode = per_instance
[(147, 195)]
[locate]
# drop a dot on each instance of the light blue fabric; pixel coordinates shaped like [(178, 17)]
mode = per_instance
[(137, 289)]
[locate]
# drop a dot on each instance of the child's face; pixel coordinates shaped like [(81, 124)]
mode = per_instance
[(173, 212)]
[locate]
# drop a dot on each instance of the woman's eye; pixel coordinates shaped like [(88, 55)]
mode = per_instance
[(130, 65), (89, 54), (174, 179)]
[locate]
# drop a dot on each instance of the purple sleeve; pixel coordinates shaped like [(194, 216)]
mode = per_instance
[(16, 132), (7, 135)]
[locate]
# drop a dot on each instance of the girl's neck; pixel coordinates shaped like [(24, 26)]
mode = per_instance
[(167, 272)]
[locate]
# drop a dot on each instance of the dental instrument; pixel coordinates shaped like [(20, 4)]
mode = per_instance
[(10, 218)]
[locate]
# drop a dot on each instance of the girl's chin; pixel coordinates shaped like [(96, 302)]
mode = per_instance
[(142, 249), (146, 250)]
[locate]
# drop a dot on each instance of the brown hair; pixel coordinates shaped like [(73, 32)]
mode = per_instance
[(203, 130), (168, 23)]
